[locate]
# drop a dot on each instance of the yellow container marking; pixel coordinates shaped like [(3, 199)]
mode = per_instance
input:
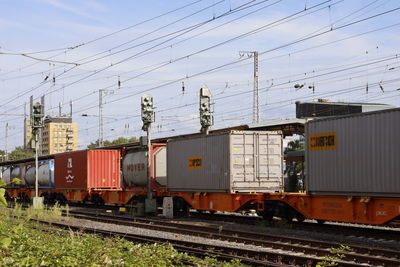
[(195, 163), (323, 141)]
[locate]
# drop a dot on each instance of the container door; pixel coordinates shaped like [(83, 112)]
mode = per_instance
[(103, 169), (270, 161), (256, 162), (244, 165)]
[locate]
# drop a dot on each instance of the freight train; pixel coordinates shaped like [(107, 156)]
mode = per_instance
[(352, 171)]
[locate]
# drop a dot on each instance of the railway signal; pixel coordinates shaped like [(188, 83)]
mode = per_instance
[(206, 118), (37, 116), (148, 118), (147, 111)]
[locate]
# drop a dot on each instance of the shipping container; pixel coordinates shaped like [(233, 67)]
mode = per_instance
[(134, 167), (17, 173), (14, 171), (45, 174), (355, 155), (87, 169), (6, 175), (22, 173), (236, 161)]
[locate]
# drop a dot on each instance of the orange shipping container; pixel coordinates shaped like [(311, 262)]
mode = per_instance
[(87, 169)]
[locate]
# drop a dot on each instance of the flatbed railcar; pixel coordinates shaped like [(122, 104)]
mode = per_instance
[(362, 208)]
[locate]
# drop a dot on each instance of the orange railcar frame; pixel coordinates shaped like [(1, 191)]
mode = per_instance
[(365, 210)]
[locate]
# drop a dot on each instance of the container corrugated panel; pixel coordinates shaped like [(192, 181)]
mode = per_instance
[(87, 169), (103, 168), (240, 161), (70, 170), (354, 155)]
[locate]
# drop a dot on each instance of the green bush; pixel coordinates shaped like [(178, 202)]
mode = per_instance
[(29, 244)]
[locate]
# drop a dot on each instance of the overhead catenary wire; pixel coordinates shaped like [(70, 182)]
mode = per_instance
[(65, 49), (378, 61), (232, 11), (96, 71), (197, 52), (331, 93)]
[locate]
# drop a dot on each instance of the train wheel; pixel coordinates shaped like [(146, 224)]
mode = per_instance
[(268, 216), (97, 200), (181, 208), (288, 217), (60, 199), (23, 198), (300, 217)]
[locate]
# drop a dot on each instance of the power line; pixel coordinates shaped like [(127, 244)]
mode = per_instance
[(95, 72)]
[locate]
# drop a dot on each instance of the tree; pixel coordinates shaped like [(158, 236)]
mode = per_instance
[(295, 145), (118, 141), (20, 153)]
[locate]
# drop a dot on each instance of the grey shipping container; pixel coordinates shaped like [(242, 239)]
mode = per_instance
[(236, 161), (355, 155)]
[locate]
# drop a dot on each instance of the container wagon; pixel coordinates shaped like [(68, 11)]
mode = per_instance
[(353, 171)]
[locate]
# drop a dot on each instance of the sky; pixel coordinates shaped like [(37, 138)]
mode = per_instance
[(341, 50)]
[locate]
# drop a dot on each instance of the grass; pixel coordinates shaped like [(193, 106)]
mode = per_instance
[(26, 243)]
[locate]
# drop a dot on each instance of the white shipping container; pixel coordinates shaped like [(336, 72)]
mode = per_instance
[(237, 161), (355, 155)]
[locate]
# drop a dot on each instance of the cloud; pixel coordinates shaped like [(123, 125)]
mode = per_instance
[(87, 5)]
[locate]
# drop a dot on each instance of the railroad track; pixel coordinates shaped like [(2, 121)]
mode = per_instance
[(192, 248), (247, 256), (382, 233), (293, 250), (389, 233)]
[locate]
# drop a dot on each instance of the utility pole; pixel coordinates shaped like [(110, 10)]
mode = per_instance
[(37, 124), (102, 93), (256, 106), (8, 127), (101, 117), (59, 109), (206, 119), (147, 111), (40, 137), (70, 109), (5, 145)]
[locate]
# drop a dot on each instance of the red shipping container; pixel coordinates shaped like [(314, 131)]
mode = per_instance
[(87, 169)]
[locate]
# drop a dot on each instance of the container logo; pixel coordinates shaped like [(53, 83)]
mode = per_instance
[(323, 141), (138, 167), (195, 163), (69, 163), (69, 178)]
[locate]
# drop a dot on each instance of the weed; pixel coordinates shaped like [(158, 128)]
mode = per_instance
[(335, 254), (27, 244)]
